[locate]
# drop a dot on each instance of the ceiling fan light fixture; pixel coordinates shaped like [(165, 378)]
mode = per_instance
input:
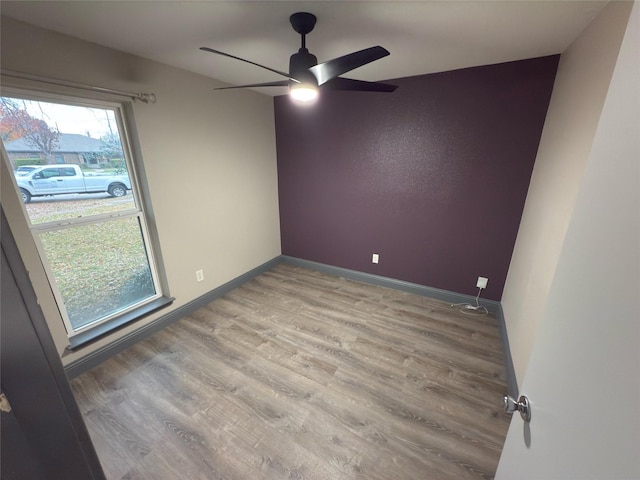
[(303, 92)]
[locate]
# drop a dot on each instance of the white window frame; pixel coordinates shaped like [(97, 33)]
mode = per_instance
[(138, 212)]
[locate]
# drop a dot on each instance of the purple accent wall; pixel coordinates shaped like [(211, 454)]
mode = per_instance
[(432, 177)]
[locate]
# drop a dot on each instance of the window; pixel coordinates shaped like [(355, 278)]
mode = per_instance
[(89, 225)]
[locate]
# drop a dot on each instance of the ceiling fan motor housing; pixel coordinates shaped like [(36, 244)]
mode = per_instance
[(300, 62)]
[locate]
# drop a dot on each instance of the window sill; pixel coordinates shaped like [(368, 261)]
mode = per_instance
[(85, 338)]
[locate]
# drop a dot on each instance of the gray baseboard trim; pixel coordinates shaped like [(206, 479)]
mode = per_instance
[(95, 358), (512, 381), (443, 295)]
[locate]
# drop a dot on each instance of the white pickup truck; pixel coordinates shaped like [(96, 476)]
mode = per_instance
[(39, 180)]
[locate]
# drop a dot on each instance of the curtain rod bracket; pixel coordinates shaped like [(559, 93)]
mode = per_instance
[(146, 97)]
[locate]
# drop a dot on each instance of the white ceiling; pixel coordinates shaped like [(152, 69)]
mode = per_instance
[(422, 36)]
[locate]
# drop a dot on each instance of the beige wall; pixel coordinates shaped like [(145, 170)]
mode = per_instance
[(580, 88), (582, 379), (209, 158)]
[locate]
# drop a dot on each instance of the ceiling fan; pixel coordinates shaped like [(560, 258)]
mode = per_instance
[(306, 74)]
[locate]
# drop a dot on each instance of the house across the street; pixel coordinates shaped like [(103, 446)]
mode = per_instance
[(72, 148)]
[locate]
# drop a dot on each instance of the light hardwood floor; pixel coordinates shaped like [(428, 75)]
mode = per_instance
[(301, 375)]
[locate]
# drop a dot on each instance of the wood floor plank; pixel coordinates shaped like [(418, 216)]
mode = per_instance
[(301, 375)]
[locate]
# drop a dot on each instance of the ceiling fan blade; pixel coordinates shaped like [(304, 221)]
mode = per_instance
[(333, 68), (218, 52), (358, 85), (279, 83)]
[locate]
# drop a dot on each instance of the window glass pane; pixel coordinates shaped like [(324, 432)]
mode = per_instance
[(69, 157), (100, 269)]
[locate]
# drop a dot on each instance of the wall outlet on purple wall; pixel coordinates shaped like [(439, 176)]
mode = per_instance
[(375, 258)]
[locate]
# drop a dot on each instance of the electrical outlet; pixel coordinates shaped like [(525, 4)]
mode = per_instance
[(482, 282), (199, 275), (375, 258)]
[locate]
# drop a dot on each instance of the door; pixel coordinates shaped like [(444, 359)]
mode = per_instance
[(73, 180), (43, 436), (47, 181), (18, 460), (582, 380)]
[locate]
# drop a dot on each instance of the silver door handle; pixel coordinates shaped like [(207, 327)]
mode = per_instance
[(5, 406), (522, 405)]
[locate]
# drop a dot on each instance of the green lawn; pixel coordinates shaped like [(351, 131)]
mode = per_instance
[(51, 209)]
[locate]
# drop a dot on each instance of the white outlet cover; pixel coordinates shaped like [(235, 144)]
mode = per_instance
[(375, 258), (482, 282)]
